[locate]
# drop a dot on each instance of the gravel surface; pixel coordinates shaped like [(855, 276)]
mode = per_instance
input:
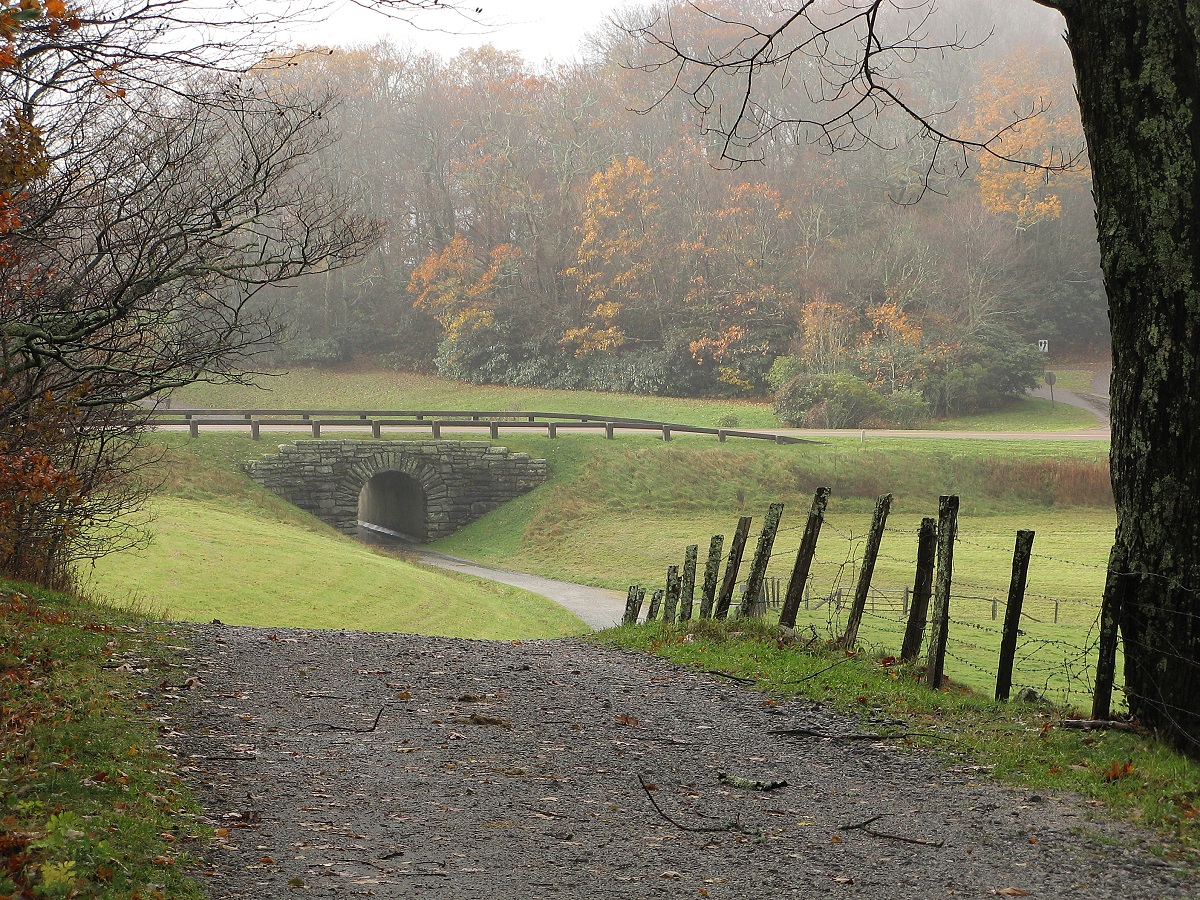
[(341, 764)]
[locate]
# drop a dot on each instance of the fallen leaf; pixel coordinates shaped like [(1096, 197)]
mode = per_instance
[(1118, 770), (1012, 892)]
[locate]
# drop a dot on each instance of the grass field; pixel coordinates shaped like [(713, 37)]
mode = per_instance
[(301, 388), (616, 516), (223, 548), (385, 389)]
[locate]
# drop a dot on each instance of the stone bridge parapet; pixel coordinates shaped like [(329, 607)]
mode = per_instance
[(423, 489)]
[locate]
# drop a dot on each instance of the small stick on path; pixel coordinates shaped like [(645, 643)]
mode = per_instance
[(374, 725), (732, 826)]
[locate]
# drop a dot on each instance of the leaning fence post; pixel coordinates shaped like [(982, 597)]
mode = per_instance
[(947, 524), (672, 599), (918, 610), (712, 568), (752, 604), (633, 605), (732, 564), (867, 571), (1012, 613), (655, 605), (804, 558), (687, 593), (1106, 665)]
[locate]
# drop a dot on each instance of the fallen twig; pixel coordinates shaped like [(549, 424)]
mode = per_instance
[(854, 736), (811, 732), (907, 840), (1098, 725), (374, 725), (707, 828), (736, 678), (840, 662), (862, 826)]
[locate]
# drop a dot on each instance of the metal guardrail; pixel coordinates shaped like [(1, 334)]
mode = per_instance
[(435, 420)]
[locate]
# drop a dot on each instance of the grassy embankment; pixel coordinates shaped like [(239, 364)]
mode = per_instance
[(224, 548), (89, 804), (302, 388)]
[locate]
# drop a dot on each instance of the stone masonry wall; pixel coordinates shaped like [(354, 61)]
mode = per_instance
[(462, 480)]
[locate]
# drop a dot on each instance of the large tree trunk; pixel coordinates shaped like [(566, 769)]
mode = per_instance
[(1139, 93)]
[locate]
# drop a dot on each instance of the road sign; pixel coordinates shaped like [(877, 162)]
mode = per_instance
[(1044, 346)]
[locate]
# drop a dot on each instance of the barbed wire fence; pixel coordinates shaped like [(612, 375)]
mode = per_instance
[(1049, 645)]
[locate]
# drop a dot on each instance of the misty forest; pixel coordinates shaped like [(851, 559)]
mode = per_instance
[(569, 226)]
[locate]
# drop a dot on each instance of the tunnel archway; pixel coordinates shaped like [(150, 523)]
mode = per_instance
[(394, 502)]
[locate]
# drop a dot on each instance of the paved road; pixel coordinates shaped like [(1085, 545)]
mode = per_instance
[(598, 607)]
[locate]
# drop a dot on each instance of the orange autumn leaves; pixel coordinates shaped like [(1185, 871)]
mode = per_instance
[(1026, 106)]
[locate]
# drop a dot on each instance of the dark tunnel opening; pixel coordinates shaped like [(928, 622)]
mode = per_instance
[(394, 503)]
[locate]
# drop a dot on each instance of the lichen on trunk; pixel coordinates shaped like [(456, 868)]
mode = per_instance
[(1139, 87)]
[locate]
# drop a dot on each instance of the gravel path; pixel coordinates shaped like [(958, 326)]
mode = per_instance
[(342, 764)]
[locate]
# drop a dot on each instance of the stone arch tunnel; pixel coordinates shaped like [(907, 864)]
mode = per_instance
[(420, 489)]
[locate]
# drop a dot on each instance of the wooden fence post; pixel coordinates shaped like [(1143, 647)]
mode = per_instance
[(918, 611), (712, 568), (376, 429), (1012, 613), (752, 602), (732, 564), (254, 430), (687, 595), (947, 525), (804, 558), (1106, 665), (672, 600), (655, 606), (633, 605), (867, 571)]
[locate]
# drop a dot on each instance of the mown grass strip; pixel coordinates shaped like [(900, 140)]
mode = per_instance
[(310, 388), (91, 805), (1130, 774)]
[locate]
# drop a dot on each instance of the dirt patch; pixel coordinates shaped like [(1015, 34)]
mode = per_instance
[(341, 764)]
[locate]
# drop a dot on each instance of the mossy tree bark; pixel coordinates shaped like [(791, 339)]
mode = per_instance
[(1138, 70)]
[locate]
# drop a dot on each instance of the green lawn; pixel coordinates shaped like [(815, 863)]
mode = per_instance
[(1025, 414), (385, 389), (206, 562), (223, 548), (310, 388)]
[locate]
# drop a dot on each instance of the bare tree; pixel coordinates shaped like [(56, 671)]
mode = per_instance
[(163, 180)]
